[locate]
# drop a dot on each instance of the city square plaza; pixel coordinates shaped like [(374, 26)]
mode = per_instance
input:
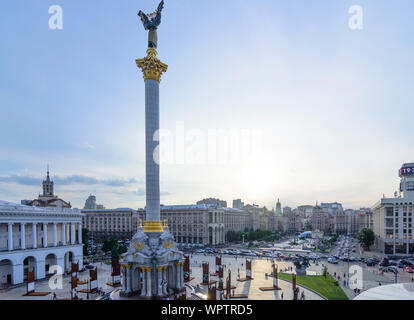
[(237, 266)]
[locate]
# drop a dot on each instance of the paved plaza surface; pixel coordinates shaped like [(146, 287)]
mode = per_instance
[(104, 272), (259, 268)]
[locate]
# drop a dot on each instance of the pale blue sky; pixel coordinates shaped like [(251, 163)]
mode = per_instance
[(333, 105)]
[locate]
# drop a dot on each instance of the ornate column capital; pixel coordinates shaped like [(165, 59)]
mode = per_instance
[(151, 66)]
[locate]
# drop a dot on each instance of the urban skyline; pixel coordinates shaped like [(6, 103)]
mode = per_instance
[(289, 120), (311, 100), (33, 183)]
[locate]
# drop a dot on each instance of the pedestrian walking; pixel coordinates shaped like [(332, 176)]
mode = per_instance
[(281, 296), (54, 295)]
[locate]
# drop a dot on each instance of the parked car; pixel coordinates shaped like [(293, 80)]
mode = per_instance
[(393, 262), (407, 263), (383, 269), (90, 266), (384, 262), (409, 270), (393, 269)]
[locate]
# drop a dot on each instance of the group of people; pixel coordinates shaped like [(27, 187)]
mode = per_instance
[(302, 295)]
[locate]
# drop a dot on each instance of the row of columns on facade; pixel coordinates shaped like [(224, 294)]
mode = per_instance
[(17, 270), (131, 284), (218, 234), (34, 234)]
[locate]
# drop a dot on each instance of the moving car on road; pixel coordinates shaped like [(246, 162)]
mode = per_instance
[(333, 260)]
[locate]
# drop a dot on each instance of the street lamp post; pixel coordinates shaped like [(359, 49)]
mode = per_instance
[(348, 272), (89, 285)]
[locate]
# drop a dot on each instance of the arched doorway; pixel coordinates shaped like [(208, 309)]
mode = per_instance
[(210, 235), (69, 258), (6, 272), (29, 264), (50, 261)]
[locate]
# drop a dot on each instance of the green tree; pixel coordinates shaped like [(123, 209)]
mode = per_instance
[(366, 238), (308, 226), (123, 249), (115, 252), (85, 238), (334, 238), (109, 244), (233, 236), (325, 271)]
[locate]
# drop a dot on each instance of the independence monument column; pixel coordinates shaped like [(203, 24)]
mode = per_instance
[(152, 69), (153, 255)]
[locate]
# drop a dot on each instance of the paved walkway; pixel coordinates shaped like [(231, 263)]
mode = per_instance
[(104, 272), (259, 267)]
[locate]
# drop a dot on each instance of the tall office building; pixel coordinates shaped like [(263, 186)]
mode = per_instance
[(393, 217), (238, 204)]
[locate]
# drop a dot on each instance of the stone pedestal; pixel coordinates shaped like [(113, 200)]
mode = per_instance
[(161, 264)]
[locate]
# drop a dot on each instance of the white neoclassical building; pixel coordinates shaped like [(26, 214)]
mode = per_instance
[(37, 238)]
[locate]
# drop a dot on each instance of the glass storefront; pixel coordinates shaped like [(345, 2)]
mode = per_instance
[(388, 248), (401, 248)]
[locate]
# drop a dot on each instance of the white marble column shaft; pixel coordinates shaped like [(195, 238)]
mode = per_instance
[(23, 235), (34, 235), (152, 124), (10, 236)]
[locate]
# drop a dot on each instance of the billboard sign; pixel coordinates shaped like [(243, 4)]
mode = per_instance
[(407, 171)]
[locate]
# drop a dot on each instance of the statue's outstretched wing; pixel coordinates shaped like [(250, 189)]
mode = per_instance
[(143, 17), (160, 7)]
